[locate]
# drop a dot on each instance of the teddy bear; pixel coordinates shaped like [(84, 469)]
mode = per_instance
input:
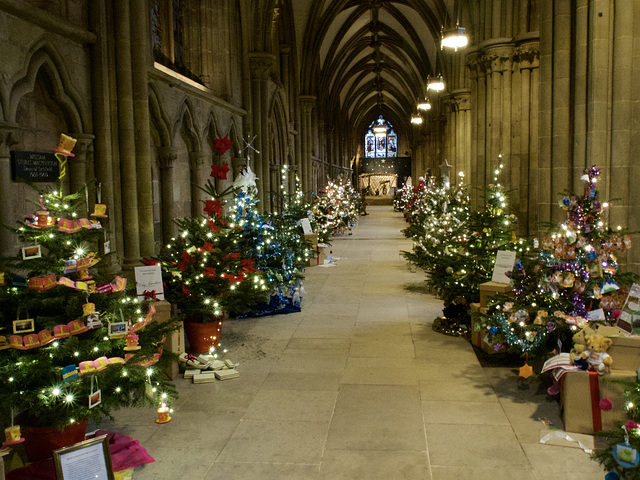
[(580, 341), (596, 356)]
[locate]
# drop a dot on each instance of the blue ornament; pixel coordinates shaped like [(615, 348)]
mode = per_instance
[(493, 330), (566, 202), (612, 476)]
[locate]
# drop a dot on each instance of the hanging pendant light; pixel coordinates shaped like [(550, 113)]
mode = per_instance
[(436, 84), (454, 38), (424, 105), (416, 119)]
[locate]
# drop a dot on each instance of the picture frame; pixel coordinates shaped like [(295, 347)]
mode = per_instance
[(92, 457), (118, 329), (95, 398), (25, 325), (31, 252)]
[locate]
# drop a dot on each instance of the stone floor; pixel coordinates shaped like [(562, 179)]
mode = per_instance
[(357, 386)]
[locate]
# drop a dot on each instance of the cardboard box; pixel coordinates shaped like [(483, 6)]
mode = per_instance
[(173, 343), (489, 289), (625, 350), (312, 238), (581, 394), (482, 337)]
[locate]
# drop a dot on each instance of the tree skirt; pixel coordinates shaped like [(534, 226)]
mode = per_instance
[(125, 453)]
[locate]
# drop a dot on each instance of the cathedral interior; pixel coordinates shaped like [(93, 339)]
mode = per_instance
[(146, 86)]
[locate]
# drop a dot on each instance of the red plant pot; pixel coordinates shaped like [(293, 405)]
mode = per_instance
[(40, 442), (202, 336)]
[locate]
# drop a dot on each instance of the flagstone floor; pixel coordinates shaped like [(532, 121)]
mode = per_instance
[(357, 386)]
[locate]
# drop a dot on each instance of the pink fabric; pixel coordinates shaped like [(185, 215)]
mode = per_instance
[(125, 453)]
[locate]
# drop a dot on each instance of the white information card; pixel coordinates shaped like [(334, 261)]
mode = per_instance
[(504, 263)]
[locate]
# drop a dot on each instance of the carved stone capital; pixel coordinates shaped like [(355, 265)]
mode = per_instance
[(197, 159), (460, 100), (528, 55), (166, 156), (307, 103), (8, 138), (261, 65), (84, 146)]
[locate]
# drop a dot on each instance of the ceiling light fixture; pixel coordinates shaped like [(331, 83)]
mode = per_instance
[(424, 105), (454, 38), (416, 119), (436, 84)]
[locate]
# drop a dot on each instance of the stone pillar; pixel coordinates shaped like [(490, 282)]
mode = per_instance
[(261, 65), (8, 206), (166, 159), (77, 167), (307, 104), (198, 179), (545, 200), (621, 182), (126, 134), (103, 160), (460, 106), (141, 60)]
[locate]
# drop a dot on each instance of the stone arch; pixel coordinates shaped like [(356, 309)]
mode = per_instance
[(44, 59), (160, 126), (279, 149), (185, 124)]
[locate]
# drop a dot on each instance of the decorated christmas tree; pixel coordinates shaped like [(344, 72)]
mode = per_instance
[(79, 345), (459, 247), (572, 278), (276, 242), (336, 209), (209, 268)]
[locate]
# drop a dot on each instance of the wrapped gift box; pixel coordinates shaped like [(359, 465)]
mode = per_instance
[(625, 349), (482, 337), (174, 342), (489, 289), (581, 395)]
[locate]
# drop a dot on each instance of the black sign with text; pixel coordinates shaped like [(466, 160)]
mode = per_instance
[(34, 166)]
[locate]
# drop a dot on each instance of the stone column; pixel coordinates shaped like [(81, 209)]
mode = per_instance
[(198, 179), (77, 166), (307, 104), (140, 61), (621, 182), (8, 206), (166, 158), (460, 106), (261, 65), (126, 133), (103, 160)]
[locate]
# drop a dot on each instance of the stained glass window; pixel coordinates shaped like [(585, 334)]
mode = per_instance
[(380, 140)]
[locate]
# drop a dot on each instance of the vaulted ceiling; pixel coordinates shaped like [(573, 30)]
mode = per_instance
[(363, 58)]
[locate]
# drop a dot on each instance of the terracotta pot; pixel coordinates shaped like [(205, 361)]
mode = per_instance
[(202, 336), (40, 442)]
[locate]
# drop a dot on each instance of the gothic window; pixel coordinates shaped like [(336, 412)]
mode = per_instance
[(380, 140), (169, 23)]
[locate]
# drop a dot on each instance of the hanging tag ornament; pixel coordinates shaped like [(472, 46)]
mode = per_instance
[(95, 398), (624, 453)]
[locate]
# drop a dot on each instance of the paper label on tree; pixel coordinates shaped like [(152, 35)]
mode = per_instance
[(596, 315), (149, 282), (504, 263), (306, 226)]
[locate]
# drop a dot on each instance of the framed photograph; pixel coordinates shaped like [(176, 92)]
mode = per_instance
[(91, 457), (118, 329), (23, 326), (30, 252), (95, 398)]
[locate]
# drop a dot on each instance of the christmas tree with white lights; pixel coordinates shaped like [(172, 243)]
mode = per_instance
[(79, 345), (574, 272)]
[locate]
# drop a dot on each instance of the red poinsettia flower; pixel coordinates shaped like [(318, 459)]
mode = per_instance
[(213, 206), (247, 265), (221, 145), (185, 291), (148, 261), (212, 226), (186, 260), (207, 247), (220, 172), (210, 271)]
